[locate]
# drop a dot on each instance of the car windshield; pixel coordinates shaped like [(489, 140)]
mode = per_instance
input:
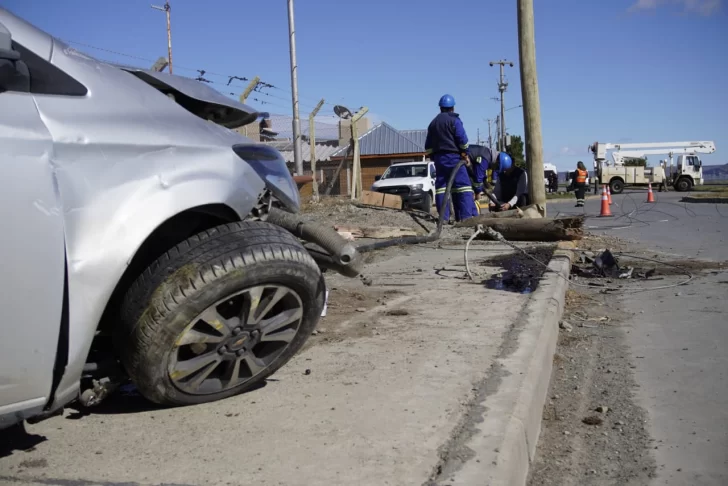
[(400, 171)]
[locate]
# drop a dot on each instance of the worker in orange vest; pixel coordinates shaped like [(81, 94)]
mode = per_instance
[(580, 182)]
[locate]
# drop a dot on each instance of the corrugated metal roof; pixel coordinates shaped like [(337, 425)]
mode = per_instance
[(417, 136), (383, 139), (323, 152), (323, 130)]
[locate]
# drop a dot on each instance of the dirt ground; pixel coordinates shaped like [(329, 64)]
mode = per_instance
[(593, 432)]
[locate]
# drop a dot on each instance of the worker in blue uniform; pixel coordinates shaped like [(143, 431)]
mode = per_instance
[(447, 143), (511, 188), (482, 161)]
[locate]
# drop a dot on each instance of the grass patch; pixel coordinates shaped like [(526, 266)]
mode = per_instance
[(711, 188), (710, 195)]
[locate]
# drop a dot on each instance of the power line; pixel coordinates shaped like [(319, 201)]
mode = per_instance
[(201, 73)]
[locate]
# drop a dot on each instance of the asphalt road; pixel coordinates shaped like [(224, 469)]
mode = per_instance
[(677, 336)]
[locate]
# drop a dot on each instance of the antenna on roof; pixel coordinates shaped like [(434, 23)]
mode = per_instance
[(343, 112)]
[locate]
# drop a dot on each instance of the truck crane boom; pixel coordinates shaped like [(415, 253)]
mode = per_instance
[(599, 149), (618, 156), (689, 166), (708, 145)]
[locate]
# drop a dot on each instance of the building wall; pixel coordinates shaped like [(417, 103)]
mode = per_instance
[(252, 131), (362, 126)]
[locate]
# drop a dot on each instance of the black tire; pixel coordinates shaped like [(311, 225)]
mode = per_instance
[(683, 184), (195, 275), (426, 202), (616, 186)]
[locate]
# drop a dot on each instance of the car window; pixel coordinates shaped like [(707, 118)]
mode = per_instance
[(47, 79)]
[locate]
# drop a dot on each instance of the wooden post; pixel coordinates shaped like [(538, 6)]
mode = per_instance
[(244, 95), (356, 188), (160, 64), (251, 86), (531, 104), (312, 141)]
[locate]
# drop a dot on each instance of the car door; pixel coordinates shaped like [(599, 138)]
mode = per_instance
[(32, 261), (432, 175)]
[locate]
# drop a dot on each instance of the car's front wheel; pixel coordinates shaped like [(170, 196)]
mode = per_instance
[(426, 204), (219, 313)]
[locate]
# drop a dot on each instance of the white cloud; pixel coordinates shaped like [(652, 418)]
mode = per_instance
[(701, 7), (567, 151)]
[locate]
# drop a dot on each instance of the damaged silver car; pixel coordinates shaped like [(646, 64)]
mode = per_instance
[(142, 237)]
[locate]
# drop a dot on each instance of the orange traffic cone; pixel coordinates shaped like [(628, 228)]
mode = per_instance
[(609, 195), (606, 212), (650, 195)]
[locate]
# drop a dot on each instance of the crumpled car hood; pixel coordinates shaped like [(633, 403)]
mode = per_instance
[(197, 98)]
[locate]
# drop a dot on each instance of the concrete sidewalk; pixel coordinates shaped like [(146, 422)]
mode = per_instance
[(417, 376)]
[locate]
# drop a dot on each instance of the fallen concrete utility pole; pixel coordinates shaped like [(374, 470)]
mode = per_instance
[(546, 229)]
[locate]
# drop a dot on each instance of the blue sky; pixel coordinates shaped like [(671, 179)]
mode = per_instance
[(610, 71)]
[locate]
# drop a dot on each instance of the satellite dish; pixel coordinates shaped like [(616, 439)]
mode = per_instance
[(342, 112)]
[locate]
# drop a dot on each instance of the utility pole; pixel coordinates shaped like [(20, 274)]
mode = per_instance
[(531, 103), (312, 141), (497, 131), (294, 91), (478, 135), (167, 9), (502, 87), (490, 136)]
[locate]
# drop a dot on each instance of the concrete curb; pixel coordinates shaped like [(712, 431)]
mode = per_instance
[(711, 200), (505, 444)]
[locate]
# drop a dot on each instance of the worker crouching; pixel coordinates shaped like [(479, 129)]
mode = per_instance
[(447, 143), (511, 187)]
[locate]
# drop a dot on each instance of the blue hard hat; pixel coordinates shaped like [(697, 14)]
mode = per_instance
[(447, 101), (505, 162)]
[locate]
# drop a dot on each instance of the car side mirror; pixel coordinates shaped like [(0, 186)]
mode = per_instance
[(376, 178), (14, 73)]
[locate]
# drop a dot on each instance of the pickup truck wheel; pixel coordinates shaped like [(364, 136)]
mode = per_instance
[(219, 313), (426, 202)]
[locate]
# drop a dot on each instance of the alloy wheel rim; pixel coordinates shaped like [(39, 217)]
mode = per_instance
[(235, 339)]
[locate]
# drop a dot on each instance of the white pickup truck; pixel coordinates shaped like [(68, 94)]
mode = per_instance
[(414, 182)]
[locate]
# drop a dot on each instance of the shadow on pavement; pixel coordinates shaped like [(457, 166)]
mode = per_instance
[(127, 400), (16, 438)]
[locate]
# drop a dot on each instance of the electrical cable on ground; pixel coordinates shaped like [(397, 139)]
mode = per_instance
[(478, 230)]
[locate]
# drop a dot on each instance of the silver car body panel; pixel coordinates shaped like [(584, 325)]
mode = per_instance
[(114, 165)]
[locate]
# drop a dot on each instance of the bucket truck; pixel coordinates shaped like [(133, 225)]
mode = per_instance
[(682, 176)]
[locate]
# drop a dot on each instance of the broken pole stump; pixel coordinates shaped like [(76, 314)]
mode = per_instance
[(546, 229)]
